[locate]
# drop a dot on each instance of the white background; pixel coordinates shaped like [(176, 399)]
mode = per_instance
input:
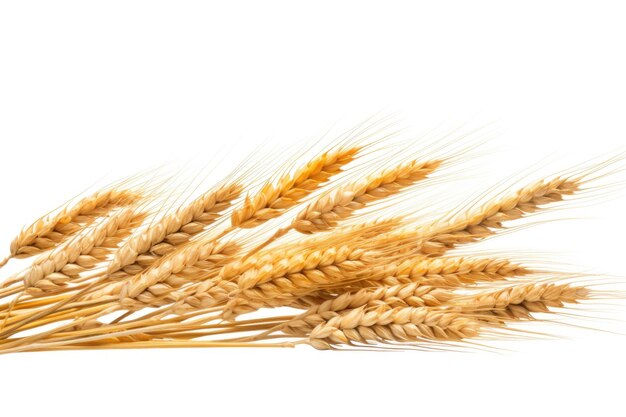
[(92, 90)]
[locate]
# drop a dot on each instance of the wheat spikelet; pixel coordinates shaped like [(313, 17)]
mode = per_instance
[(273, 199), (327, 211)]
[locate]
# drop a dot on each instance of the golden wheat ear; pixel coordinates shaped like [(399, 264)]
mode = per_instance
[(90, 248), (388, 325), (488, 218), (288, 189), (443, 272), (328, 210), (57, 227), (275, 198), (518, 302), (173, 230)]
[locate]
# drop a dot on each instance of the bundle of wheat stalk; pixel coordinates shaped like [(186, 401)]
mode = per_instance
[(311, 256)]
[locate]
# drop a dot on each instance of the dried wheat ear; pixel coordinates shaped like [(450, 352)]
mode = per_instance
[(330, 240)]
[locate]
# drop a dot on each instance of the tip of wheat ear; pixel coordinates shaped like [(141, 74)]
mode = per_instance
[(273, 199)]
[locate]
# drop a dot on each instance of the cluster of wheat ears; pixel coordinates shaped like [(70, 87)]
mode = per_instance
[(318, 253)]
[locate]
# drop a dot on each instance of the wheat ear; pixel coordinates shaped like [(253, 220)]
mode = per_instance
[(84, 254), (382, 325), (79, 254), (484, 222), (451, 272), (402, 295), (175, 287), (204, 210), (147, 246), (277, 282), (49, 231), (328, 210), (172, 265), (520, 301), (273, 199)]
